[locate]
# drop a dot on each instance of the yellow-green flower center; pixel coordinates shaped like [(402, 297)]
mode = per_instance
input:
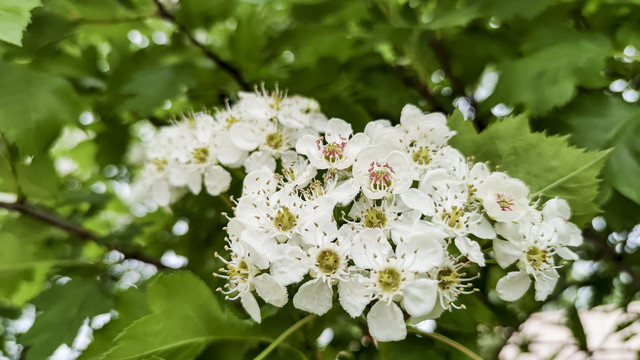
[(274, 140), (328, 261), (241, 271), (159, 163), (452, 218), (200, 155), (389, 280), (537, 257), (230, 120), (284, 219), (421, 156), (374, 218), (447, 277)]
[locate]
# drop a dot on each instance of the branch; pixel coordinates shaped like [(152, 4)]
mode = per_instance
[(74, 229), (232, 71)]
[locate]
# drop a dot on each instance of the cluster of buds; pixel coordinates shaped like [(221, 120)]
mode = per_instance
[(253, 132), (394, 219)]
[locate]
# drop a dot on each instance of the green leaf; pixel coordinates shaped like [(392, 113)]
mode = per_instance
[(186, 317), (15, 15), (33, 106), (65, 309), (575, 325), (131, 305), (555, 62), (547, 164), (602, 121)]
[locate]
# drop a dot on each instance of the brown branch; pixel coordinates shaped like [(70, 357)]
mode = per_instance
[(227, 67), (74, 229)]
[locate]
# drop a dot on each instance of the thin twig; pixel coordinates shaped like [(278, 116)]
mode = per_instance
[(232, 71), (283, 336), (454, 344), (74, 229)]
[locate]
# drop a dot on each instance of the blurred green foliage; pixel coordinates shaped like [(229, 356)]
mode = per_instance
[(85, 81)]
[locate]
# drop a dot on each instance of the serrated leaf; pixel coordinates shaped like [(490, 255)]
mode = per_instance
[(186, 317), (33, 106), (130, 305), (555, 62), (547, 164), (65, 309), (15, 15), (602, 121)]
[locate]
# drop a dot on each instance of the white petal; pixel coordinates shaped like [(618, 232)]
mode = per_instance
[(259, 160), (420, 296), (418, 200), (227, 153), (566, 254), (337, 131), (386, 322), (513, 285), (556, 207), (368, 247), (481, 227), (251, 305), (345, 192), (260, 181), (470, 249), (292, 265), (270, 290), (244, 136), (422, 252), (354, 295), (545, 282), (315, 296), (506, 252), (194, 181), (217, 180), (160, 192)]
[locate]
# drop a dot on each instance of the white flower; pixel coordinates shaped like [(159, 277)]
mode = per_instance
[(556, 213), (338, 152), (244, 276), (394, 278), (532, 246), (504, 198), (382, 173)]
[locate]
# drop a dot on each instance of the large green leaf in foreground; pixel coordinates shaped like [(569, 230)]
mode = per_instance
[(186, 318), (548, 164), (15, 15)]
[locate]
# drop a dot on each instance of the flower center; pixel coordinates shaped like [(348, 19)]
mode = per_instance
[(380, 176), (374, 217), (241, 271), (452, 218), (447, 278), (159, 163), (316, 188), (389, 280), (505, 202), (274, 140), (537, 257), (333, 151), (284, 219), (229, 121), (200, 155), (421, 156), (328, 261)]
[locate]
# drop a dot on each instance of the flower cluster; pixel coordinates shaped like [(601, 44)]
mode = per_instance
[(253, 132), (392, 219)]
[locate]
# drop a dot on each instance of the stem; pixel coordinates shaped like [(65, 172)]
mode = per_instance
[(283, 336), (449, 342), (73, 229), (227, 67)]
